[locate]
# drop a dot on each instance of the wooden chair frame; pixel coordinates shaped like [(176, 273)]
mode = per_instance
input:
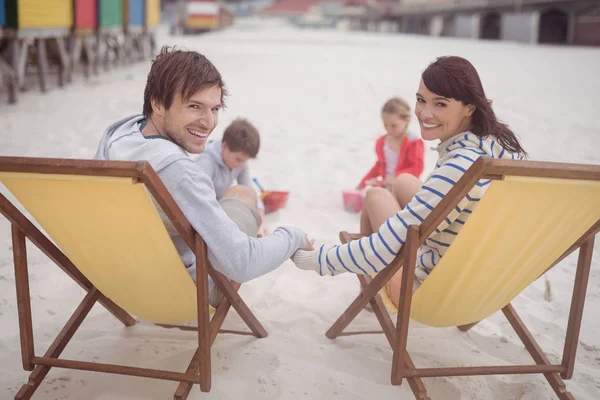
[(397, 336), (199, 368)]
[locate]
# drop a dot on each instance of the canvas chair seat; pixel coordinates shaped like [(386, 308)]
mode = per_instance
[(103, 228), (520, 226), (531, 217), (109, 228)]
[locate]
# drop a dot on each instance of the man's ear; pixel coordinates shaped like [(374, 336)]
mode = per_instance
[(157, 107)]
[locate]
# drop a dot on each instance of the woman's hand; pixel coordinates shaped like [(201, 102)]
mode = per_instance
[(308, 247)]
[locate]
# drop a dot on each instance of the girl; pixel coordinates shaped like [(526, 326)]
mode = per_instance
[(451, 106), (397, 151)]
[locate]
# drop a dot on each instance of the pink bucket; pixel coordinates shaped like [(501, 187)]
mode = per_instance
[(353, 200)]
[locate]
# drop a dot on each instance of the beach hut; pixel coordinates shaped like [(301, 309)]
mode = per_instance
[(2, 15), (152, 22), (134, 21), (85, 25), (111, 34), (29, 27), (7, 73)]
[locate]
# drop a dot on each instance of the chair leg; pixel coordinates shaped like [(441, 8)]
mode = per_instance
[(59, 344), (225, 286), (184, 388), (536, 352), (364, 297), (467, 327), (416, 384), (220, 314), (404, 304), (23, 297), (204, 364), (379, 309), (577, 302)]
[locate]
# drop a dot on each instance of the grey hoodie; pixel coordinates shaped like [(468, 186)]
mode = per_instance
[(230, 251), (211, 161)]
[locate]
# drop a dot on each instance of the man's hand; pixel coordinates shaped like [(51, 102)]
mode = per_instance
[(308, 247)]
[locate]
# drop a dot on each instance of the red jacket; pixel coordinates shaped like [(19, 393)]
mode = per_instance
[(410, 160)]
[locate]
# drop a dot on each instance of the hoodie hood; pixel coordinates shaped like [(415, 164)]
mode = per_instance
[(214, 150), (159, 151)]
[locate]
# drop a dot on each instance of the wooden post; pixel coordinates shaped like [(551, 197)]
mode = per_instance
[(42, 58)]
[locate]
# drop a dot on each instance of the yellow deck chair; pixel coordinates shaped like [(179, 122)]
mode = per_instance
[(106, 233), (532, 216)]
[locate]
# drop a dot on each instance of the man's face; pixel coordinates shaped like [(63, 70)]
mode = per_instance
[(189, 123)]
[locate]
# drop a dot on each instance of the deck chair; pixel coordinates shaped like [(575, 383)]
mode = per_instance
[(532, 216), (104, 230)]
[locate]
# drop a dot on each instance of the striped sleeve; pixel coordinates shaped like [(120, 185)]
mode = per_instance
[(371, 254)]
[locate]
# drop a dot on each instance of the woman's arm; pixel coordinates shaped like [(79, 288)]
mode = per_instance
[(371, 254)]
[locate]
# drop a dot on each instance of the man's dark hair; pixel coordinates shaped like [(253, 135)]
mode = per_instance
[(177, 71)]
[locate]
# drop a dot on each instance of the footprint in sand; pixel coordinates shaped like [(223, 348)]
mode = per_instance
[(588, 347)]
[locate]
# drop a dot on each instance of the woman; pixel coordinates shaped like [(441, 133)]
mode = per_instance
[(450, 106)]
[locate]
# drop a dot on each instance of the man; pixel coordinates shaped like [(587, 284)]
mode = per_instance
[(184, 93)]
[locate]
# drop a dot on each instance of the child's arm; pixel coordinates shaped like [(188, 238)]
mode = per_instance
[(245, 179), (372, 174), (415, 160), (371, 254)]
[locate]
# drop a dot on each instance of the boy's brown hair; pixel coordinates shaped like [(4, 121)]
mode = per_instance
[(176, 71), (242, 136)]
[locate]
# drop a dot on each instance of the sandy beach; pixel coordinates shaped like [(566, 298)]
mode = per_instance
[(315, 96)]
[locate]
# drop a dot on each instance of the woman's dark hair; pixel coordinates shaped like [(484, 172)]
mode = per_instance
[(456, 78)]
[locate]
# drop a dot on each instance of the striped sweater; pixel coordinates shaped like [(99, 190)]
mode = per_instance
[(371, 254)]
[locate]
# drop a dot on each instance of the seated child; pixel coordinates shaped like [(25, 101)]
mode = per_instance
[(225, 162), (398, 151)]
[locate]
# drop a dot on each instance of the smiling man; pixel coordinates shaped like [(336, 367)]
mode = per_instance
[(184, 93)]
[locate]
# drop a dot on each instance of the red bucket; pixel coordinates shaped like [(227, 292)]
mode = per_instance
[(353, 200), (274, 200)]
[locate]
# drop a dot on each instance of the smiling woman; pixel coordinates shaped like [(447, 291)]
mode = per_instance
[(452, 107)]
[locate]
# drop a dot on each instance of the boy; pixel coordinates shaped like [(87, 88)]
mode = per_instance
[(225, 161)]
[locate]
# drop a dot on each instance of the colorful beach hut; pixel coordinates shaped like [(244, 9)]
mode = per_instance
[(7, 72), (111, 30), (85, 25), (30, 26), (152, 22)]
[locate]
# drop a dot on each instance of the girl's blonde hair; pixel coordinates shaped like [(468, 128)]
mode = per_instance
[(396, 106)]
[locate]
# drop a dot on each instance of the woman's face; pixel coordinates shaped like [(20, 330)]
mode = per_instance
[(440, 117)]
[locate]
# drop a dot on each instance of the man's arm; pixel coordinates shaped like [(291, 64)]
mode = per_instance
[(207, 165), (231, 251)]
